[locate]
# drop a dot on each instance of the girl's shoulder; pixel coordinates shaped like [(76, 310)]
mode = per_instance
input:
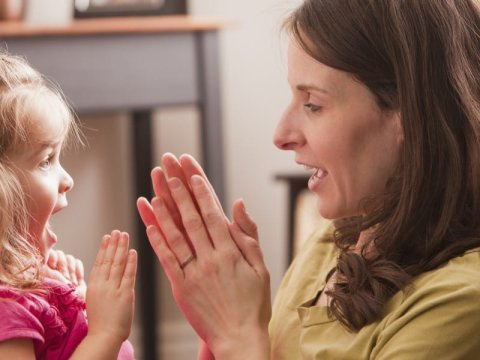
[(40, 314)]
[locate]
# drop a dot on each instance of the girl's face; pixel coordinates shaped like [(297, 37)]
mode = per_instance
[(335, 127), (43, 180)]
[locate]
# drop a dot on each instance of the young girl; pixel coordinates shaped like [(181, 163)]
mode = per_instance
[(44, 318)]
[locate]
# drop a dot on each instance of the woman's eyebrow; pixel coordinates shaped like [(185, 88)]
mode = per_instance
[(307, 87)]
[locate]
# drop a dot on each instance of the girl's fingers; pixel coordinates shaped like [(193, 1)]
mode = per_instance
[(243, 219), (119, 261), (52, 260), (79, 272), (100, 256), (167, 258), (176, 240), (192, 220), (212, 216), (106, 265), (62, 264), (71, 269), (129, 275)]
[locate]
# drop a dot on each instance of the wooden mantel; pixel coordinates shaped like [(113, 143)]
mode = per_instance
[(114, 25)]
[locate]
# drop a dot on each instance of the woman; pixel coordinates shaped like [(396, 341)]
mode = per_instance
[(386, 111)]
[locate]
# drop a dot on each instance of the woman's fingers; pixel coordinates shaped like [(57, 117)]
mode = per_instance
[(192, 220), (146, 212), (191, 167), (167, 258), (250, 250), (243, 219), (212, 215), (178, 244), (174, 169), (161, 190)]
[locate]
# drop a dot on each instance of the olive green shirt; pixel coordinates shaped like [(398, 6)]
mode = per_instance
[(437, 317)]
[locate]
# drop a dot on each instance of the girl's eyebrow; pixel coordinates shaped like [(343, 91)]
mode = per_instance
[(49, 144)]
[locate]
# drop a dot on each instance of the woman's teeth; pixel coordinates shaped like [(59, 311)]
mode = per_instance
[(316, 172)]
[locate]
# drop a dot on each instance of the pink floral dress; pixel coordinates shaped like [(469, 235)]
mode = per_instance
[(54, 319)]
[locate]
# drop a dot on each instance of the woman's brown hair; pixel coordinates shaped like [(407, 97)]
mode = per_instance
[(422, 59)]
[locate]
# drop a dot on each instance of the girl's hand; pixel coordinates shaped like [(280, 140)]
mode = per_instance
[(216, 269), (110, 293), (67, 269)]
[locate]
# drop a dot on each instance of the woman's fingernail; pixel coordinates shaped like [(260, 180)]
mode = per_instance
[(174, 183), (157, 203), (151, 230), (195, 180)]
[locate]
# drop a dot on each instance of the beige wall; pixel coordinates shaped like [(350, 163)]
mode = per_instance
[(254, 94)]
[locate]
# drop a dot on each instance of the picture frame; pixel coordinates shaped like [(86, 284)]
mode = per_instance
[(115, 8)]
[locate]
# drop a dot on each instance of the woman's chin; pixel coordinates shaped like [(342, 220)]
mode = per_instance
[(325, 211)]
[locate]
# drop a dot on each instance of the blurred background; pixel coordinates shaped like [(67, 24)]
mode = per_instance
[(253, 93)]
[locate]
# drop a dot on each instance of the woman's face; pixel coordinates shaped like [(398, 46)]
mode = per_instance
[(335, 127)]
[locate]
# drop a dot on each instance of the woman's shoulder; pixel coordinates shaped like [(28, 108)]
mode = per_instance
[(454, 283), (439, 307), (460, 271)]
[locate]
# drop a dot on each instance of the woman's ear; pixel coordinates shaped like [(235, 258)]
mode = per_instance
[(398, 127)]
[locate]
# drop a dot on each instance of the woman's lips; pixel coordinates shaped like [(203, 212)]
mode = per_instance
[(316, 179)]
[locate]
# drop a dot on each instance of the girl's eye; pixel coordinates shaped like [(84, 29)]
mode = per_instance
[(46, 162), (312, 108)]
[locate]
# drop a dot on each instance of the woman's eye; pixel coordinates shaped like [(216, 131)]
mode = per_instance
[(312, 108)]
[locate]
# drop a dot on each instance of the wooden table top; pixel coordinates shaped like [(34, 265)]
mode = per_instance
[(113, 25)]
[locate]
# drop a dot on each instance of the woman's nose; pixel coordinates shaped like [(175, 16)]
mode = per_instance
[(287, 135)]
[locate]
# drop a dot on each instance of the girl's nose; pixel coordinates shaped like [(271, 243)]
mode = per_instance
[(67, 182)]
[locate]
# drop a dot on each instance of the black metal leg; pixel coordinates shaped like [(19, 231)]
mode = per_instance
[(146, 265)]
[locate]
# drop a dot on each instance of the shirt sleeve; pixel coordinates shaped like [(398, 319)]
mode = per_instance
[(443, 323), (17, 321)]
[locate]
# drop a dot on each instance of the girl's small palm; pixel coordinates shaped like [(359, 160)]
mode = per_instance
[(110, 293)]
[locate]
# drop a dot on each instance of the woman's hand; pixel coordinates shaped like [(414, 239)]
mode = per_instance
[(204, 352), (66, 269), (110, 293), (215, 268)]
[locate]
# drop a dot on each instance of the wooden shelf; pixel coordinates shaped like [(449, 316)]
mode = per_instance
[(114, 25)]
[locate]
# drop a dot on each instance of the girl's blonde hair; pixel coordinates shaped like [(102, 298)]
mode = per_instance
[(24, 93)]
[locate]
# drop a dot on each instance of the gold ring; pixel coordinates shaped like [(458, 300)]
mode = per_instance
[(187, 261)]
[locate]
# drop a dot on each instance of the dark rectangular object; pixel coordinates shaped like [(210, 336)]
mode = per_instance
[(130, 8)]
